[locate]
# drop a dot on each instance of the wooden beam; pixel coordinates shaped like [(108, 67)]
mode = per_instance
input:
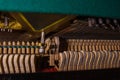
[(23, 21), (57, 24)]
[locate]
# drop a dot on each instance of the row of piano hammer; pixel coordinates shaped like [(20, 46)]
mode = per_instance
[(93, 45), (19, 47), (88, 54), (17, 63), (18, 57), (85, 60)]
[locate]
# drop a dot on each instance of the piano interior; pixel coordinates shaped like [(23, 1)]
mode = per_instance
[(57, 45)]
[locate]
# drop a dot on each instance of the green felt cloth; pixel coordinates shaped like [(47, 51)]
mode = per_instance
[(104, 8)]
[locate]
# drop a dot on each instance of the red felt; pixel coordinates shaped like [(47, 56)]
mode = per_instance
[(49, 70)]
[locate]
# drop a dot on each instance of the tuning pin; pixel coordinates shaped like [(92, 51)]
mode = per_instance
[(100, 20), (115, 22), (18, 47), (36, 48), (96, 23), (10, 30), (14, 47), (92, 21), (32, 47), (89, 22), (5, 47), (108, 22), (9, 47), (23, 47), (3, 30)]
